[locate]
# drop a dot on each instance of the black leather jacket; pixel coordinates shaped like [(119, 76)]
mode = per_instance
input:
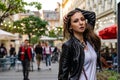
[(71, 60)]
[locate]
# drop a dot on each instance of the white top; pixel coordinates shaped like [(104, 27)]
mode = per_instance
[(89, 63), (47, 49)]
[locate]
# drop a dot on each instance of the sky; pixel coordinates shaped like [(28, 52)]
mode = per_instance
[(46, 4)]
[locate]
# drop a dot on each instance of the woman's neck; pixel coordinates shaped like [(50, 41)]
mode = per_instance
[(79, 37)]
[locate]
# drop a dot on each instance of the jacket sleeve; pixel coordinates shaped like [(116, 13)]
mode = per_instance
[(64, 64), (89, 15)]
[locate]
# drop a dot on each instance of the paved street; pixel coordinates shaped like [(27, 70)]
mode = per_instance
[(43, 74)]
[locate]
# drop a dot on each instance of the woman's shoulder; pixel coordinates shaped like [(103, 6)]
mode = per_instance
[(68, 42)]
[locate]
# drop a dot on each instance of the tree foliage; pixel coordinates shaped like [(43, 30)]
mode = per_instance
[(31, 25), (35, 39), (10, 7), (57, 32)]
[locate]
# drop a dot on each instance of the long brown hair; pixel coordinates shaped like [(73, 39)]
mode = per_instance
[(67, 32), (93, 38), (88, 34)]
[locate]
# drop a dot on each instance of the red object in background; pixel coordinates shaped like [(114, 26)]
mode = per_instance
[(109, 32)]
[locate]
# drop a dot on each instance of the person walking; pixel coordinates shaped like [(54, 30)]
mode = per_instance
[(80, 53), (3, 50), (38, 51), (55, 54), (47, 52), (25, 57), (12, 53), (12, 50), (33, 52)]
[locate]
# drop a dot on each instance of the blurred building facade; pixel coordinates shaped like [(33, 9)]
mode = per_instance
[(52, 17), (68, 5), (105, 16), (20, 16)]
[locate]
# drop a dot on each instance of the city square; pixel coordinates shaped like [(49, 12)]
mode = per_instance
[(32, 27)]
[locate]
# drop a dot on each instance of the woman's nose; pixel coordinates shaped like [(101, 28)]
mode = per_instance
[(80, 22)]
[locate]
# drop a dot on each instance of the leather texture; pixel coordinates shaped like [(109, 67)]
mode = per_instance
[(72, 60)]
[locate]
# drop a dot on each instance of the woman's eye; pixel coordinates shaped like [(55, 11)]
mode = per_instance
[(82, 19), (75, 20)]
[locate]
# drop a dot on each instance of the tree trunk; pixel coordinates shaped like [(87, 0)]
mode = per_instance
[(29, 38)]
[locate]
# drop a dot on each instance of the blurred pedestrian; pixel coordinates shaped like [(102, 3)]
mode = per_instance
[(103, 60), (12, 55), (38, 51), (80, 53), (3, 50), (47, 52), (114, 53), (55, 54), (33, 52), (26, 57), (12, 50)]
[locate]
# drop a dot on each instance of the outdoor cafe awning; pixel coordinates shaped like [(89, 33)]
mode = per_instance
[(47, 38), (4, 35), (109, 32)]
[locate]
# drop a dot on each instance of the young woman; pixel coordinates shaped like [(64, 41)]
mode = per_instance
[(80, 54), (47, 52)]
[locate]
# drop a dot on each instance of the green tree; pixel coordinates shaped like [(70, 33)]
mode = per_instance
[(11, 7), (35, 39), (31, 25), (57, 32), (52, 33)]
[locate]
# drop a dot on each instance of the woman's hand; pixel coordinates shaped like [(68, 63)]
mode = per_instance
[(65, 19)]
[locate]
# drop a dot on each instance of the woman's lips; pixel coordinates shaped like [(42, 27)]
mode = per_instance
[(81, 28)]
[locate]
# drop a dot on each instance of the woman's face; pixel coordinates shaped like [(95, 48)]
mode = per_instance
[(78, 23)]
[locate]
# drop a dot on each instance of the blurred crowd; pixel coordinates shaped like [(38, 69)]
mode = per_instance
[(109, 58), (42, 51)]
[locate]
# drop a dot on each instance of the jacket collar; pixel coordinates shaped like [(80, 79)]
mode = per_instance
[(77, 41)]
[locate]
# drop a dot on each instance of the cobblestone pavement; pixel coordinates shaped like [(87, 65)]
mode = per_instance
[(43, 74)]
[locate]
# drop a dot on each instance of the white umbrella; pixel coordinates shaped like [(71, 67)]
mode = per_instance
[(47, 38), (4, 35)]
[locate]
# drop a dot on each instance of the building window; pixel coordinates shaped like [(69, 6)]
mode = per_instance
[(103, 5), (109, 1), (99, 1), (96, 9), (100, 9)]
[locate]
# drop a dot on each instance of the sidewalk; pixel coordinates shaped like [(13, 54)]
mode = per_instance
[(43, 74)]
